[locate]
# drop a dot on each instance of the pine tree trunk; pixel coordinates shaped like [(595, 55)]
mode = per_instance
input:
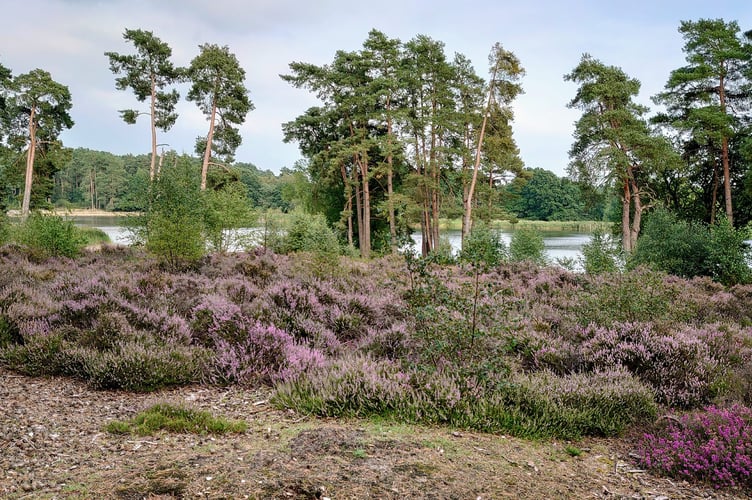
[(153, 117), (626, 238), (207, 151), (31, 153)]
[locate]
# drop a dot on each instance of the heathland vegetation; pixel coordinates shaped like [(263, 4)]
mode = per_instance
[(326, 312)]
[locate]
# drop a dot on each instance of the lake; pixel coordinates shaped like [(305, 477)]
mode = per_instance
[(559, 245)]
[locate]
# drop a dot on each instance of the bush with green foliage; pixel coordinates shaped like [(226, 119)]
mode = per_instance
[(527, 244), (49, 236), (690, 249), (483, 248), (227, 210), (600, 255), (172, 227), (310, 233)]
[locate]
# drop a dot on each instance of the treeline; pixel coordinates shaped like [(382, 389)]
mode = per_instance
[(104, 181), (406, 134)]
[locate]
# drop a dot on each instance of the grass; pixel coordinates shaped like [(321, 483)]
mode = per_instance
[(178, 419), (94, 235)]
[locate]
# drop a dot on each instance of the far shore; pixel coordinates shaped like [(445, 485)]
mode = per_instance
[(78, 212)]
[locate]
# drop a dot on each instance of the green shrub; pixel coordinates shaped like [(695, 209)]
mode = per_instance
[(527, 244), (600, 255), (172, 227), (310, 233), (94, 236), (690, 249), (50, 236), (673, 246), (483, 248), (729, 254), (228, 208)]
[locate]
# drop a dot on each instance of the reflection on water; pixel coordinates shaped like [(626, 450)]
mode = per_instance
[(559, 245)]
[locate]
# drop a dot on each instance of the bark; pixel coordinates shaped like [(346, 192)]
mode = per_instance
[(358, 208), (725, 156), (626, 238), (467, 222), (29, 163), (389, 183), (714, 196), (92, 190), (348, 204), (209, 138), (153, 117), (727, 180), (637, 217), (365, 249)]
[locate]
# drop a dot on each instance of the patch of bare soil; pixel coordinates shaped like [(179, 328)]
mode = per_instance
[(52, 445)]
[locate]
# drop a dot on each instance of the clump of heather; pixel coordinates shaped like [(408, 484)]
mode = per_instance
[(262, 354), (713, 446), (537, 405)]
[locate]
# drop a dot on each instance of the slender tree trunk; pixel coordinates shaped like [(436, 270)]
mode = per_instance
[(365, 250), (209, 138), (727, 180), (626, 238), (92, 194), (467, 223), (30, 154), (348, 204), (390, 183), (714, 196), (153, 117), (637, 218), (725, 156), (358, 208), (161, 161), (434, 199)]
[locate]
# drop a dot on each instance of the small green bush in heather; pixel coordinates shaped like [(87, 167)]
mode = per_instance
[(527, 244), (177, 419), (600, 255), (49, 236)]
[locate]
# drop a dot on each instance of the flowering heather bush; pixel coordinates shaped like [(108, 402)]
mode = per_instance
[(686, 366), (263, 354), (713, 446)]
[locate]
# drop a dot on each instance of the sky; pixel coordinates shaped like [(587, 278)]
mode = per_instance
[(68, 39)]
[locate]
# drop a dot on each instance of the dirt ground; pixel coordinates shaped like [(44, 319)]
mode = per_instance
[(52, 445)]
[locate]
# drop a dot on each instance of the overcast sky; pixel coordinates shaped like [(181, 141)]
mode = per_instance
[(68, 38)]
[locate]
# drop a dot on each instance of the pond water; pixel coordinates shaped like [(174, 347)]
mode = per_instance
[(559, 245)]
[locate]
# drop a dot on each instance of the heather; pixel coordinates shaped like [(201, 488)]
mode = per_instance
[(714, 446), (510, 347)]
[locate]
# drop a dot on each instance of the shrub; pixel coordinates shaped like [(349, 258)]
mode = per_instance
[(227, 210), (310, 233), (483, 248), (714, 446), (539, 405), (173, 225), (672, 246), (50, 236), (600, 255), (690, 249), (527, 244), (142, 368), (729, 254)]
